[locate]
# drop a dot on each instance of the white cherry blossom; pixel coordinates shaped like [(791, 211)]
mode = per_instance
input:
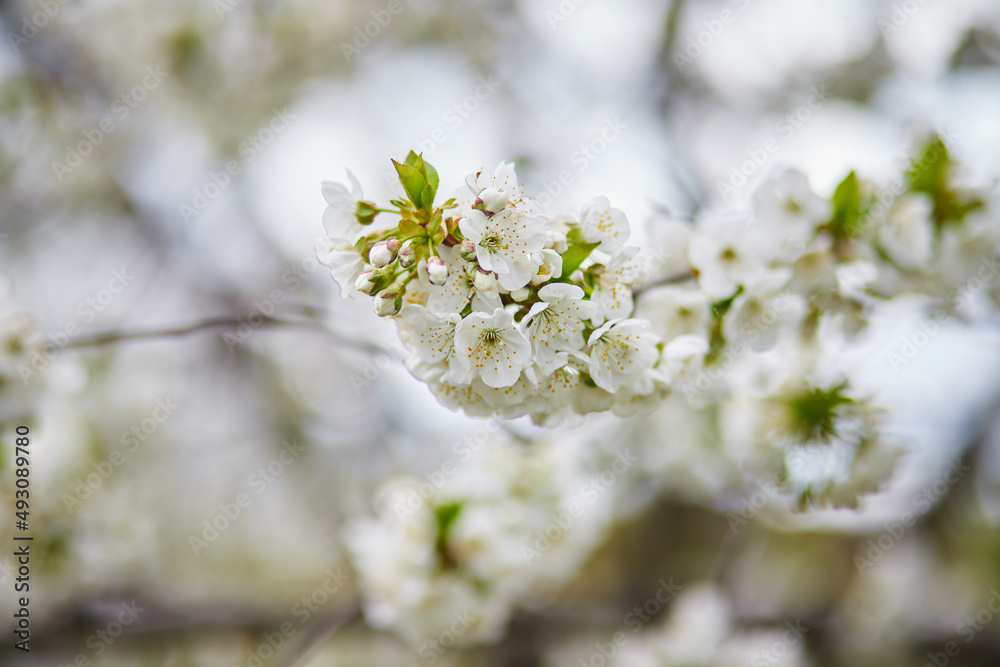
[(490, 346)]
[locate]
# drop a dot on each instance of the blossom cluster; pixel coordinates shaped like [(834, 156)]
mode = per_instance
[(505, 310), (514, 524)]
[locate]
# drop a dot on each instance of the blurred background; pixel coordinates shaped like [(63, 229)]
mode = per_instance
[(160, 167)]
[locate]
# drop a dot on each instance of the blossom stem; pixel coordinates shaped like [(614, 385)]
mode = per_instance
[(669, 280)]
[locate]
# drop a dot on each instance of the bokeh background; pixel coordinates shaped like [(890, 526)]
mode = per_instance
[(118, 121)]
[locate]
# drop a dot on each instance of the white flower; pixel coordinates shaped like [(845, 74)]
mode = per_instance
[(344, 261), (556, 240), (505, 182), (787, 207), (621, 350), (464, 282), (727, 253), (683, 357), (613, 291), (555, 324), (675, 311), (340, 217), (505, 243), (492, 200), (550, 266), (759, 314), (491, 347), (432, 335), (908, 231), (602, 224)]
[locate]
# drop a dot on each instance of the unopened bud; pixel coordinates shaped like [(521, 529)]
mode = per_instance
[(383, 252), (390, 300), (468, 250), (437, 271), (407, 256), (491, 201), (520, 295), (365, 283), (485, 281)]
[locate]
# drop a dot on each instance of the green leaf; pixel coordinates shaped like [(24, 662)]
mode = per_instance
[(930, 174), (575, 235), (413, 181), (574, 257), (426, 201), (409, 229), (411, 160), (431, 174), (846, 207), (361, 246)]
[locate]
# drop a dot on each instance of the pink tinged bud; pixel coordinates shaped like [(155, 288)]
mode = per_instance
[(407, 256), (491, 201), (468, 250), (485, 281), (365, 283), (437, 271), (383, 253), (520, 295)]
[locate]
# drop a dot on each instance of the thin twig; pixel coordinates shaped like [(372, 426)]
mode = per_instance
[(256, 320), (669, 280)]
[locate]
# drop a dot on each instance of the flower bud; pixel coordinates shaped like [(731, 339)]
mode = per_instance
[(556, 241), (468, 250), (520, 295), (390, 300), (437, 271), (365, 212), (365, 283), (407, 256), (485, 281), (383, 252), (491, 201)]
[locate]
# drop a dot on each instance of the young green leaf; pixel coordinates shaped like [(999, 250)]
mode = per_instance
[(574, 257), (413, 181)]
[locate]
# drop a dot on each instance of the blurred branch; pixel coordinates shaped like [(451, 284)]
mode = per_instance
[(669, 280), (229, 322), (307, 643)]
